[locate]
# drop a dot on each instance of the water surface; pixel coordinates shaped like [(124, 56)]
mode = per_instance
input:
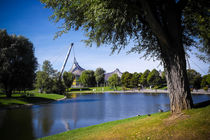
[(80, 111)]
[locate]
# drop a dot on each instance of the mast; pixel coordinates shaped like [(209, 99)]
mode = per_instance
[(67, 56)]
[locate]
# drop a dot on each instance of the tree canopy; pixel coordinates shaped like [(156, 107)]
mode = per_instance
[(159, 28), (68, 79), (114, 81), (17, 63), (87, 78), (99, 76)]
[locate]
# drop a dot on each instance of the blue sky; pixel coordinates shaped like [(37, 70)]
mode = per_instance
[(30, 19)]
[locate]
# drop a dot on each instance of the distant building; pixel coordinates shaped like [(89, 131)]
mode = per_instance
[(117, 71), (77, 71)]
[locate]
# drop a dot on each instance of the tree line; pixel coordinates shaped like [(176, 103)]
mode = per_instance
[(47, 79), (18, 72)]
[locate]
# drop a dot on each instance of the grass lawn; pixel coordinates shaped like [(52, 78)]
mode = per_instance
[(193, 124), (93, 89), (28, 98)]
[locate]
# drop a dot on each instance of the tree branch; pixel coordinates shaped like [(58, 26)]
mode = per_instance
[(154, 24)]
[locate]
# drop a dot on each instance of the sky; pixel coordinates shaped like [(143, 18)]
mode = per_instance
[(29, 18)]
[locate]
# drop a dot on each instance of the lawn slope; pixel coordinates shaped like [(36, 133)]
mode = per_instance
[(192, 124)]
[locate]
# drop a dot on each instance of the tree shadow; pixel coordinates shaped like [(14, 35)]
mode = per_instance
[(202, 104)]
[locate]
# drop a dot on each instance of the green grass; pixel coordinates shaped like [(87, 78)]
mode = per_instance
[(191, 125), (93, 89), (28, 98)]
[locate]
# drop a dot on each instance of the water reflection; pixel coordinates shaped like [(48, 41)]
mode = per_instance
[(80, 110), (16, 125)]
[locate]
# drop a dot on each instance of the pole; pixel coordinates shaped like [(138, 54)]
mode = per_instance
[(67, 56)]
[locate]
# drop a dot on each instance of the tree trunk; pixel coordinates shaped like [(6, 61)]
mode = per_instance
[(169, 33), (177, 81)]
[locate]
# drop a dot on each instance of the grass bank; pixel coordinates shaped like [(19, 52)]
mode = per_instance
[(93, 89), (191, 124), (28, 98)]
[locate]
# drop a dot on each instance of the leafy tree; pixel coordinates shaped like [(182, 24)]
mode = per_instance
[(45, 78), (68, 79), (99, 75), (135, 80), (143, 78), (114, 81), (126, 79), (47, 67), (163, 78), (205, 81), (58, 85), (153, 78), (87, 78), (194, 78), (161, 29), (17, 63)]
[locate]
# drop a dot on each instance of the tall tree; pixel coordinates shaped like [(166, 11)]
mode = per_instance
[(17, 63), (68, 79), (48, 68), (126, 79), (143, 78), (114, 81), (87, 78), (45, 79), (160, 28), (194, 78), (205, 82), (99, 75), (153, 78), (135, 80)]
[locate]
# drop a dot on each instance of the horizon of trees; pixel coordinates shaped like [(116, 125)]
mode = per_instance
[(147, 79)]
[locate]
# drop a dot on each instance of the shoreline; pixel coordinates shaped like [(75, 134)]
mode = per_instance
[(140, 91), (18, 106)]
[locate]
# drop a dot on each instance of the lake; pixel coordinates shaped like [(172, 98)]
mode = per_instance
[(80, 110)]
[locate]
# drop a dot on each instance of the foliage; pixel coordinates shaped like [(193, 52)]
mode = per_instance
[(18, 63), (135, 80), (160, 29), (87, 78), (205, 81), (153, 78), (47, 67), (43, 82), (126, 79), (143, 78), (58, 86), (114, 81), (99, 76), (194, 78), (163, 78), (48, 80), (68, 79)]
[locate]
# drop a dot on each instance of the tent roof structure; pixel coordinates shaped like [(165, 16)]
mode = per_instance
[(76, 69), (116, 71)]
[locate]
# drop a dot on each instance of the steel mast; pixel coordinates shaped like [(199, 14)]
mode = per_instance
[(67, 56)]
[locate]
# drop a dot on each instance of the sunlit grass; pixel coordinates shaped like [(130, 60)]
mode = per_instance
[(28, 98)]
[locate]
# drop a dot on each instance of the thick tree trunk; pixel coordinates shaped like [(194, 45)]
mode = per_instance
[(168, 31), (178, 86)]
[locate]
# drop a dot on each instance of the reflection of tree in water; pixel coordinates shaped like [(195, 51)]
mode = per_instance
[(45, 120), (16, 124)]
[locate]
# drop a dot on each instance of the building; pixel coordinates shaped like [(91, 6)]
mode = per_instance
[(77, 71), (116, 71)]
